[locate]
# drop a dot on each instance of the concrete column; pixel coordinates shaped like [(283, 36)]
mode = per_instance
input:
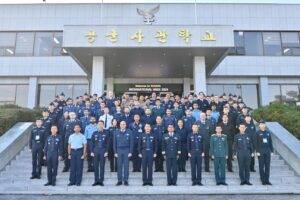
[(110, 84), (32, 92), (97, 86), (199, 74), (186, 86), (264, 91)]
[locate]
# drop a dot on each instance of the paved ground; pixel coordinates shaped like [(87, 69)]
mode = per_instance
[(15, 180)]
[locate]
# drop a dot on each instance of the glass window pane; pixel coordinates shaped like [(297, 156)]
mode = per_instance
[(43, 44), (215, 89), (239, 39), (9, 51), (47, 94), (290, 93), (249, 95), (66, 89), (7, 93), (290, 39), (57, 41), (79, 90), (274, 93), (24, 45), (7, 39), (233, 89), (22, 95), (272, 44), (253, 43)]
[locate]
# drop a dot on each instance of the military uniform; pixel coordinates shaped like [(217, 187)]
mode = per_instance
[(137, 130), (251, 131), (219, 150), (243, 148), (147, 148), (111, 154), (99, 147), (264, 147), (229, 130), (183, 134), (123, 145), (36, 144), (188, 122), (171, 147), (195, 146), (158, 111), (205, 131), (158, 131), (88, 133), (53, 149)]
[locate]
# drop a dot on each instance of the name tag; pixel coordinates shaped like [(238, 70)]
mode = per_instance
[(265, 140), (37, 137)]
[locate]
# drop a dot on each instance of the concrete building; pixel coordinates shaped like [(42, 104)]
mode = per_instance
[(252, 50)]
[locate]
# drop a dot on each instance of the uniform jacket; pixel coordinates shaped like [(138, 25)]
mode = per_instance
[(218, 146)]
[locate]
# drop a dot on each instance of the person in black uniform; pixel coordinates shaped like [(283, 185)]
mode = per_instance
[(264, 150), (99, 150), (36, 145), (251, 131), (195, 148), (183, 134), (111, 154), (147, 151), (243, 151), (53, 153), (171, 149), (158, 131)]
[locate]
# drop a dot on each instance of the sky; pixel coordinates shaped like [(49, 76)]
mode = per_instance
[(149, 1)]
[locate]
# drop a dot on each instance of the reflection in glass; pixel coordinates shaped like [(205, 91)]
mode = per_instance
[(253, 43), (47, 94), (24, 44), (274, 93), (7, 93), (43, 44), (272, 43)]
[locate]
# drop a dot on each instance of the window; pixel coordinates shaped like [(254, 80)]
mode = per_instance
[(272, 44), (24, 44), (43, 44), (57, 40), (7, 44), (274, 93), (249, 94), (14, 94), (290, 93), (47, 94), (22, 95), (239, 43), (253, 43), (79, 90), (290, 43)]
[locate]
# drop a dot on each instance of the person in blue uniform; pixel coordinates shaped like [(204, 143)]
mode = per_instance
[(171, 150), (264, 150), (147, 151), (36, 146), (188, 120), (127, 117), (53, 153), (158, 131), (243, 151), (77, 151), (85, 119), (195, 148), (111, 154), (137, 110), (168, 119), (99, 150), (88, 133), (158, 109), (137, 129), (148, 118), (118, 115), (123, 147), (183, 134), (251, 131)]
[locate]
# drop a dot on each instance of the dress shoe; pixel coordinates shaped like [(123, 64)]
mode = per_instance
[(126, 183), (242, 183), (230, 170), (144, 184), (224, 183), (169, 184), (252, 170), (53, 184), (218, 183), (101, 184), (71, 184), (78, 184), (32, 177), (47, 184), (194, 183), (119, 183), (248, 183), (268, 183), (38, 177), (200, 184), (174, 184), (150, 184), (65, 170), (94, 184)]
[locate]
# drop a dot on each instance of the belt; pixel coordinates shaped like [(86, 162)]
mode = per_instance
[(77, 149)]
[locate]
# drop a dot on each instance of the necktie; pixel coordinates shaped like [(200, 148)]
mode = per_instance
[(105, 123)]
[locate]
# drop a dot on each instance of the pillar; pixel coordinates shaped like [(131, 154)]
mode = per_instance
[(264, 91), (199, 74), (32, 92), (186, 86), (110, 84), (97, 86)]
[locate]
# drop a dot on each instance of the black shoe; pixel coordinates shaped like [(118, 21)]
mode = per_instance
[(53, 184), (200, 184), (101, 184), (184, 170), (230, 170), (174, 184), (150, 184), (248, 183), (268, 183), (242, 183), (252, 170), (218, 183), (169, 184), (224, 183), (263, 183), (119, 183), (95, 183), (78, 184), (32, 177), (207, 170), (144, 184), (38, 177), (71, 184), (194, 183), (47, 184), (126, 183)]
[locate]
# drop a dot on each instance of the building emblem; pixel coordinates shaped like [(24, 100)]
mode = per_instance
[(148, 15)]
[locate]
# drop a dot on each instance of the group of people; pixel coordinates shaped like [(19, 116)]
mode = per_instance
[(149, 131)]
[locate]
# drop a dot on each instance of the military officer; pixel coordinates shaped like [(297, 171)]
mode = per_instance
[(123, 147), (264, 150), (147, 151), (148, 118), (243, 151), (158, 110), (183, 134), (36, 145), (251, 131), (77, 152), (111, 154), (88, 133), (171, 149), (169, 118), (99, 150), (195, 148), (53, 153), (158, 131), (189, 120), (219, 152)]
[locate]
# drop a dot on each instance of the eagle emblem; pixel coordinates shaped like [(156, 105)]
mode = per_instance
[(148, 15)]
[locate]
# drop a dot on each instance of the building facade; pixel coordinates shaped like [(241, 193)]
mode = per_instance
[(252, 50)]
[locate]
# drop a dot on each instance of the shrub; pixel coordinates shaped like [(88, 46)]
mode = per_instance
[(287, 115), (11, 114)]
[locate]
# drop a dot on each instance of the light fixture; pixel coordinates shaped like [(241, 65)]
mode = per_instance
[(10, 51), (64, 50), (56, 40)]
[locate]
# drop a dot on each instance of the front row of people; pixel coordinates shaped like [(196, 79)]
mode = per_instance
[(243, 149)]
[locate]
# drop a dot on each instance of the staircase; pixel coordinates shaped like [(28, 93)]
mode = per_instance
[(14, 180)]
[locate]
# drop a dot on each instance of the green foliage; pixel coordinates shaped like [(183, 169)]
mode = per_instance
[(11, 114), (287, 115)]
